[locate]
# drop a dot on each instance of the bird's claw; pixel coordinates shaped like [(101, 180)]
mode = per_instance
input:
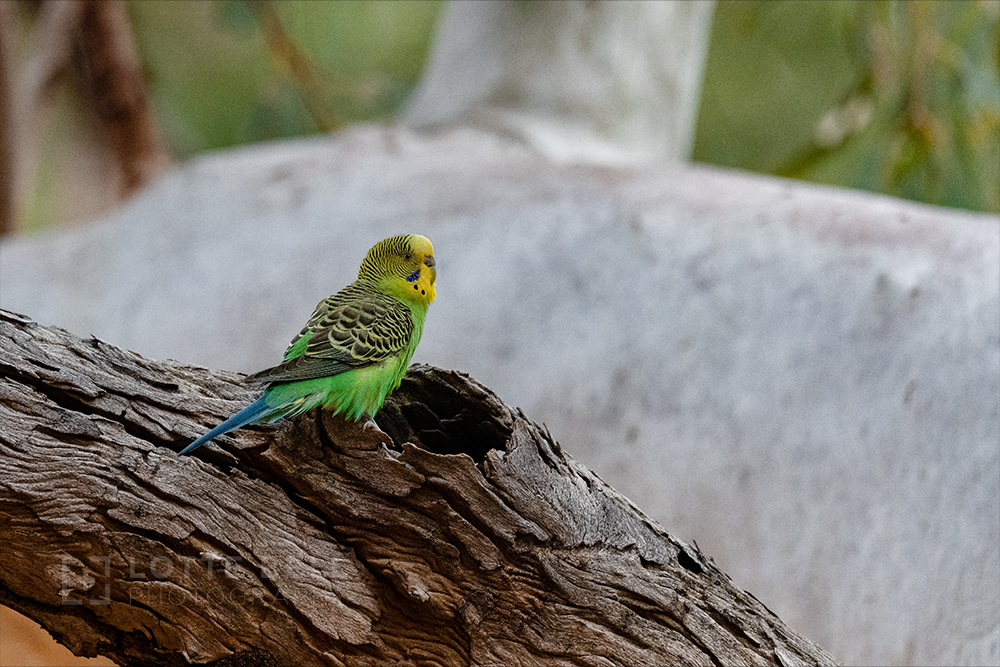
[(371, 427)]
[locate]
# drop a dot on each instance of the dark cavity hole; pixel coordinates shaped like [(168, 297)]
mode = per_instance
[(446, 413), (688, 563)]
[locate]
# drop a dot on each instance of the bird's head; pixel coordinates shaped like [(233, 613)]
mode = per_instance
[(402, 266)]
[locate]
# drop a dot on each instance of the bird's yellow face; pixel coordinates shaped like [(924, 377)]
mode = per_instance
[(420, 257), (404, 267)]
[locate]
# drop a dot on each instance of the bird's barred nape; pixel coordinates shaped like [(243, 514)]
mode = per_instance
[(374, 266)]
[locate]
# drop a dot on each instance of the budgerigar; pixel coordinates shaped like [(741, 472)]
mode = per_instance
[(357, 345)]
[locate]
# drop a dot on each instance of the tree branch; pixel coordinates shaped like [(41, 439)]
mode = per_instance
[(113, 73), (471, 539)]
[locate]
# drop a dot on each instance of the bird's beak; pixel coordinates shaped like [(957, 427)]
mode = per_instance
[(429, 263)]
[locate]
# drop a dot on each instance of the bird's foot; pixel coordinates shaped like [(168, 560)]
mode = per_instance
[(371, 429)]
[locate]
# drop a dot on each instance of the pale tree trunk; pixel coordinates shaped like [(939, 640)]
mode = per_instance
[(471, 538)]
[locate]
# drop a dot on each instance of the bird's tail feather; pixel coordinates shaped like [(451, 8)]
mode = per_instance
[(251, 413)]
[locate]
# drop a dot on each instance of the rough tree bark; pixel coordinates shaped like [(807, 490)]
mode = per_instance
[(471, 538)]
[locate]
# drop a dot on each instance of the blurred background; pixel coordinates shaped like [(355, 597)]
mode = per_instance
[(892, 97), (98, 99)]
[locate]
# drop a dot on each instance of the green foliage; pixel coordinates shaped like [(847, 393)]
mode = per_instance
[(894, 97), (229, 72)]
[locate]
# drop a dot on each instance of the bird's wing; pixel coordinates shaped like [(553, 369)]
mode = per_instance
[(354, 328)]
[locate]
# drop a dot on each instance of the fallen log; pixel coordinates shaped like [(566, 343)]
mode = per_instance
[(467, 536)]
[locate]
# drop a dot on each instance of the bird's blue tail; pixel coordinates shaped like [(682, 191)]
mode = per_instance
[(247, 415)]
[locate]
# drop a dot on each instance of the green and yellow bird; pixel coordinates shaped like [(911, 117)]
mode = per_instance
[(357, 345)]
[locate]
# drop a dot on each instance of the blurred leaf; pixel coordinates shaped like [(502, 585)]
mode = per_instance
[(278, 112), (363, 37), (887, 96), (216, 82), (773, 70), (236, 15), (204, 78)]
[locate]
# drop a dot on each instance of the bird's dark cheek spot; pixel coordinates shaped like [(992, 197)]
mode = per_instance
[(413, 276), (423, 292), (416, 287)]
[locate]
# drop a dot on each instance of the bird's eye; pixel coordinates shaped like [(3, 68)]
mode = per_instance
[(407, 257)]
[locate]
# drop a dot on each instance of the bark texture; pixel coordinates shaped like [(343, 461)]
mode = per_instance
[(471, 538)]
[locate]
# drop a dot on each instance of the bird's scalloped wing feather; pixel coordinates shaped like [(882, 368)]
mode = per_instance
[(356, 327)]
